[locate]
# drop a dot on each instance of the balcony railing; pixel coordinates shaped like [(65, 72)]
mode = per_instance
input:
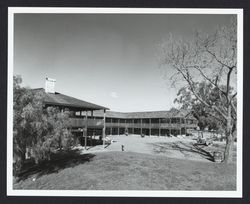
[(147, 125), (80, 122)]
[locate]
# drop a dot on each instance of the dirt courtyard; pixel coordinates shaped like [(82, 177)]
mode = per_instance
[(173, 147)]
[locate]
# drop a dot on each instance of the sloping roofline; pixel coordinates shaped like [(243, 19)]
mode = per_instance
[(58, 99)]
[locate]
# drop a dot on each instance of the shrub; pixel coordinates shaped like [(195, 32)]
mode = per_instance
[(42, 130)]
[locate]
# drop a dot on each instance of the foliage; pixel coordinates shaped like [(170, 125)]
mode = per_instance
[(37, 128), (206, 116)]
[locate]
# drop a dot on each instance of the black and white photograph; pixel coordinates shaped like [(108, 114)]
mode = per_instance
[(125, 102)]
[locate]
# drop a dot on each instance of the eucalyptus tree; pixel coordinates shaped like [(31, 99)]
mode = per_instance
[(209, 57)]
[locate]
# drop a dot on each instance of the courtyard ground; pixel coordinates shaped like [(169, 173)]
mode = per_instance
[(181, 148), (153, 163)]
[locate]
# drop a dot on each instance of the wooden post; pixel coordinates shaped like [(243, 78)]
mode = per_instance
[(180, 125), (185, 126), (159, 127), (111, 128), (104, 128), (141, 126), (170, 126), (86, 128), (149, 126), (118, 126), (133, 126), (92, 135)]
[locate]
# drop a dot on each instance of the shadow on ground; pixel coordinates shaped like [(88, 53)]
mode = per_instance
[(59, 161), (90, 142), (184, 149)]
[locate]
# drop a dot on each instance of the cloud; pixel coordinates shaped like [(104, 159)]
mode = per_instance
[(113, 94)]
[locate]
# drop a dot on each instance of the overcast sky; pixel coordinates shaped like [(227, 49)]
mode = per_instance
[(107, 59)]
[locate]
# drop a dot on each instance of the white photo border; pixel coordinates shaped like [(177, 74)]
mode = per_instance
[(124, 193)]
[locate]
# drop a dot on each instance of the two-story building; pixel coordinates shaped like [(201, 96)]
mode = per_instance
[(158, 123), (88, 119)]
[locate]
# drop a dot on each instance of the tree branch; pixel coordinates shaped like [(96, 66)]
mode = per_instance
[(233, 107), (219, 61), (235, 94), (216, 117), (208, 79), (189, 81)]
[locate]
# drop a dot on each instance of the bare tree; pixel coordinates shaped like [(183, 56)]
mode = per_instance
[(210, 57)]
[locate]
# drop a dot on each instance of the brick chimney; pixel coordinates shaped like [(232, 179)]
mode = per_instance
[(50, 85)]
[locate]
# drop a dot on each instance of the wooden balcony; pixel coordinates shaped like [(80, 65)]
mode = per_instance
[(98, 123), (152, 125), (80, 122)]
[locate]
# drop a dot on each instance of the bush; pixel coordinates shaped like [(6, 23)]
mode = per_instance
[(43, 130)]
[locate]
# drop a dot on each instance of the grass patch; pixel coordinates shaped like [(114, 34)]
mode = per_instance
[(58, 162), (133, 171)]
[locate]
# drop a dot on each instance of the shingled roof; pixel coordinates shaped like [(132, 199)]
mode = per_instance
[(147, 114), (58, 99)]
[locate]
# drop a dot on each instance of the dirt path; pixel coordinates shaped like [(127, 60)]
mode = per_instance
[(165, 146)]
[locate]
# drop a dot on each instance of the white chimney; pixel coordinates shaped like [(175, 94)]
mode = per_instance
[(50, 85)]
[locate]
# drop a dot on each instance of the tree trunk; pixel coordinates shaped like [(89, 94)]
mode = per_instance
[(229, 138), (23, 155), (60, 142), (229, 148)]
